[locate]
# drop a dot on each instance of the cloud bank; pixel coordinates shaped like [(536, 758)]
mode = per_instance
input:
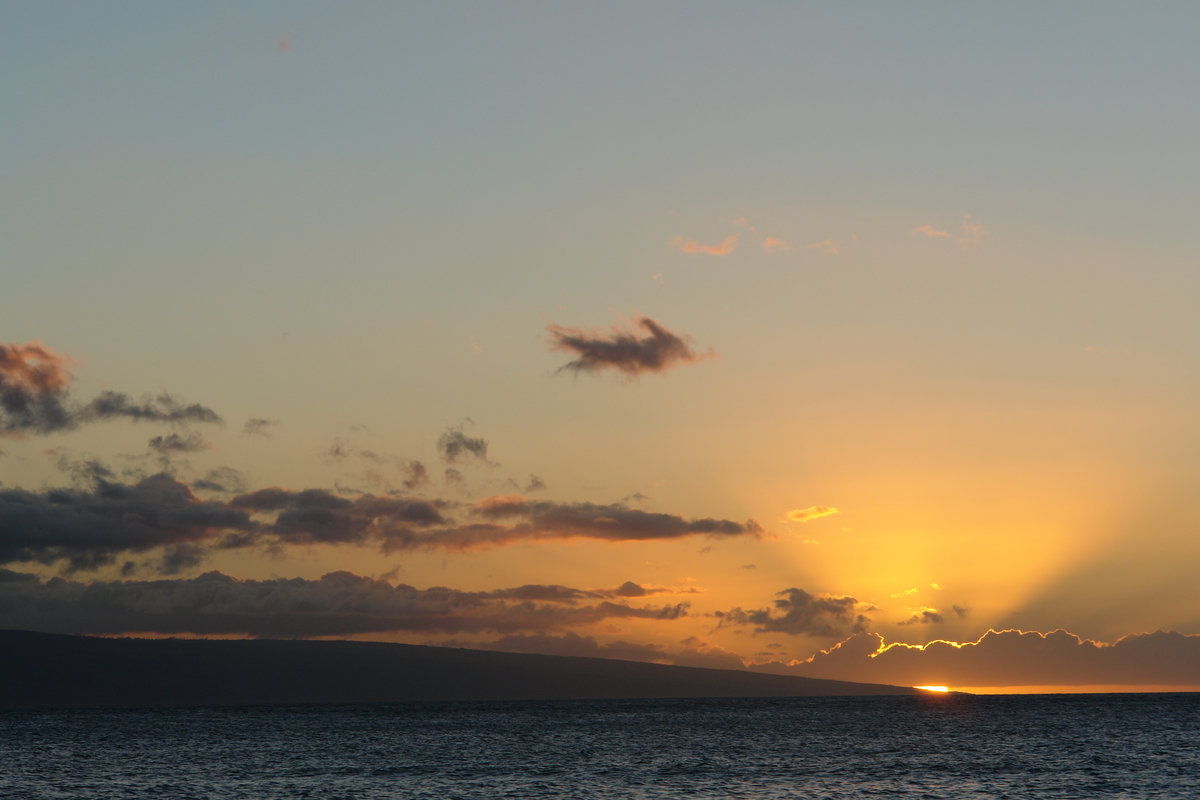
[(1010, 658), (87, 528), (337, 604)]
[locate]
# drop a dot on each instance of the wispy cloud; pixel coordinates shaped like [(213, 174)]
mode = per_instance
[(259, 426), (826, 246), (692, 247), (773, 245), (35, 397), (174, 444), (810, 513), (972, 232), (456, 446), (624, 350)]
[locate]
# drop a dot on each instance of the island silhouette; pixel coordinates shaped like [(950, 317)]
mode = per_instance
[(45, 670)]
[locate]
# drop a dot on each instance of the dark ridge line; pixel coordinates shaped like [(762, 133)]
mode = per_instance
[(48, 670)]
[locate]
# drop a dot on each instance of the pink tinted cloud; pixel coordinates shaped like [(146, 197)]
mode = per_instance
[(773, 245), (972, 232), (825, 246), (692, 247)]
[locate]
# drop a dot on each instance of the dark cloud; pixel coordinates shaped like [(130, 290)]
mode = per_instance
[(225, 480), (259, 426), (415, 475), (338, 604), (35, 397), (961, 611), (535, 484), (613, 522), (163, 408), (1010, 658), (316, 516), (454, 445), (631, 589), (623, 350), (926, 616), (802, 613), (174, 443), (86, 529), (87, 526), (33, 387)]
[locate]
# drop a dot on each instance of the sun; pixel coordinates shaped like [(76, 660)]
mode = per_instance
[(933, 688)]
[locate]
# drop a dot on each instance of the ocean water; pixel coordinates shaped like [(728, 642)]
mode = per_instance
[(1047, 746)]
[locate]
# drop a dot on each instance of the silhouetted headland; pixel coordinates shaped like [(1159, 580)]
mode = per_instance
[(53, 670)]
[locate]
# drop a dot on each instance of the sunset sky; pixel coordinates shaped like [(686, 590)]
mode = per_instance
[(701, 333)]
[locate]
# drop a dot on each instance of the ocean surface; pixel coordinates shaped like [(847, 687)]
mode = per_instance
[(1059, 746)]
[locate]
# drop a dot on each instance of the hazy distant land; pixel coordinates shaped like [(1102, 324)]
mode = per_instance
[(54, 670)]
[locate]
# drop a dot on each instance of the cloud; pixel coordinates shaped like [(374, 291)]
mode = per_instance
[(35, 397), (961, 611), (810, 513), (924, 616), (33, 385), (337, 604), (613, 522), (259, 426), (773, 245), (174, 443), (415, 474), (225, 480), (972, 232), (622, 350), (802, 613), (631, 589), (826, 246), (692, 247), (455, 446), (1011, 658), (88, 529)]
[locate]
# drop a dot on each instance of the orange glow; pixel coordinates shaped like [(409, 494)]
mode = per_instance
[(933, 688)]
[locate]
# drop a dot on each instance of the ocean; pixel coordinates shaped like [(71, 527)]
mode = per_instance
[(950, 746)]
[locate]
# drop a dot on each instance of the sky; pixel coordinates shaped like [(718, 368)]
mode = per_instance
[(785, 336)]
